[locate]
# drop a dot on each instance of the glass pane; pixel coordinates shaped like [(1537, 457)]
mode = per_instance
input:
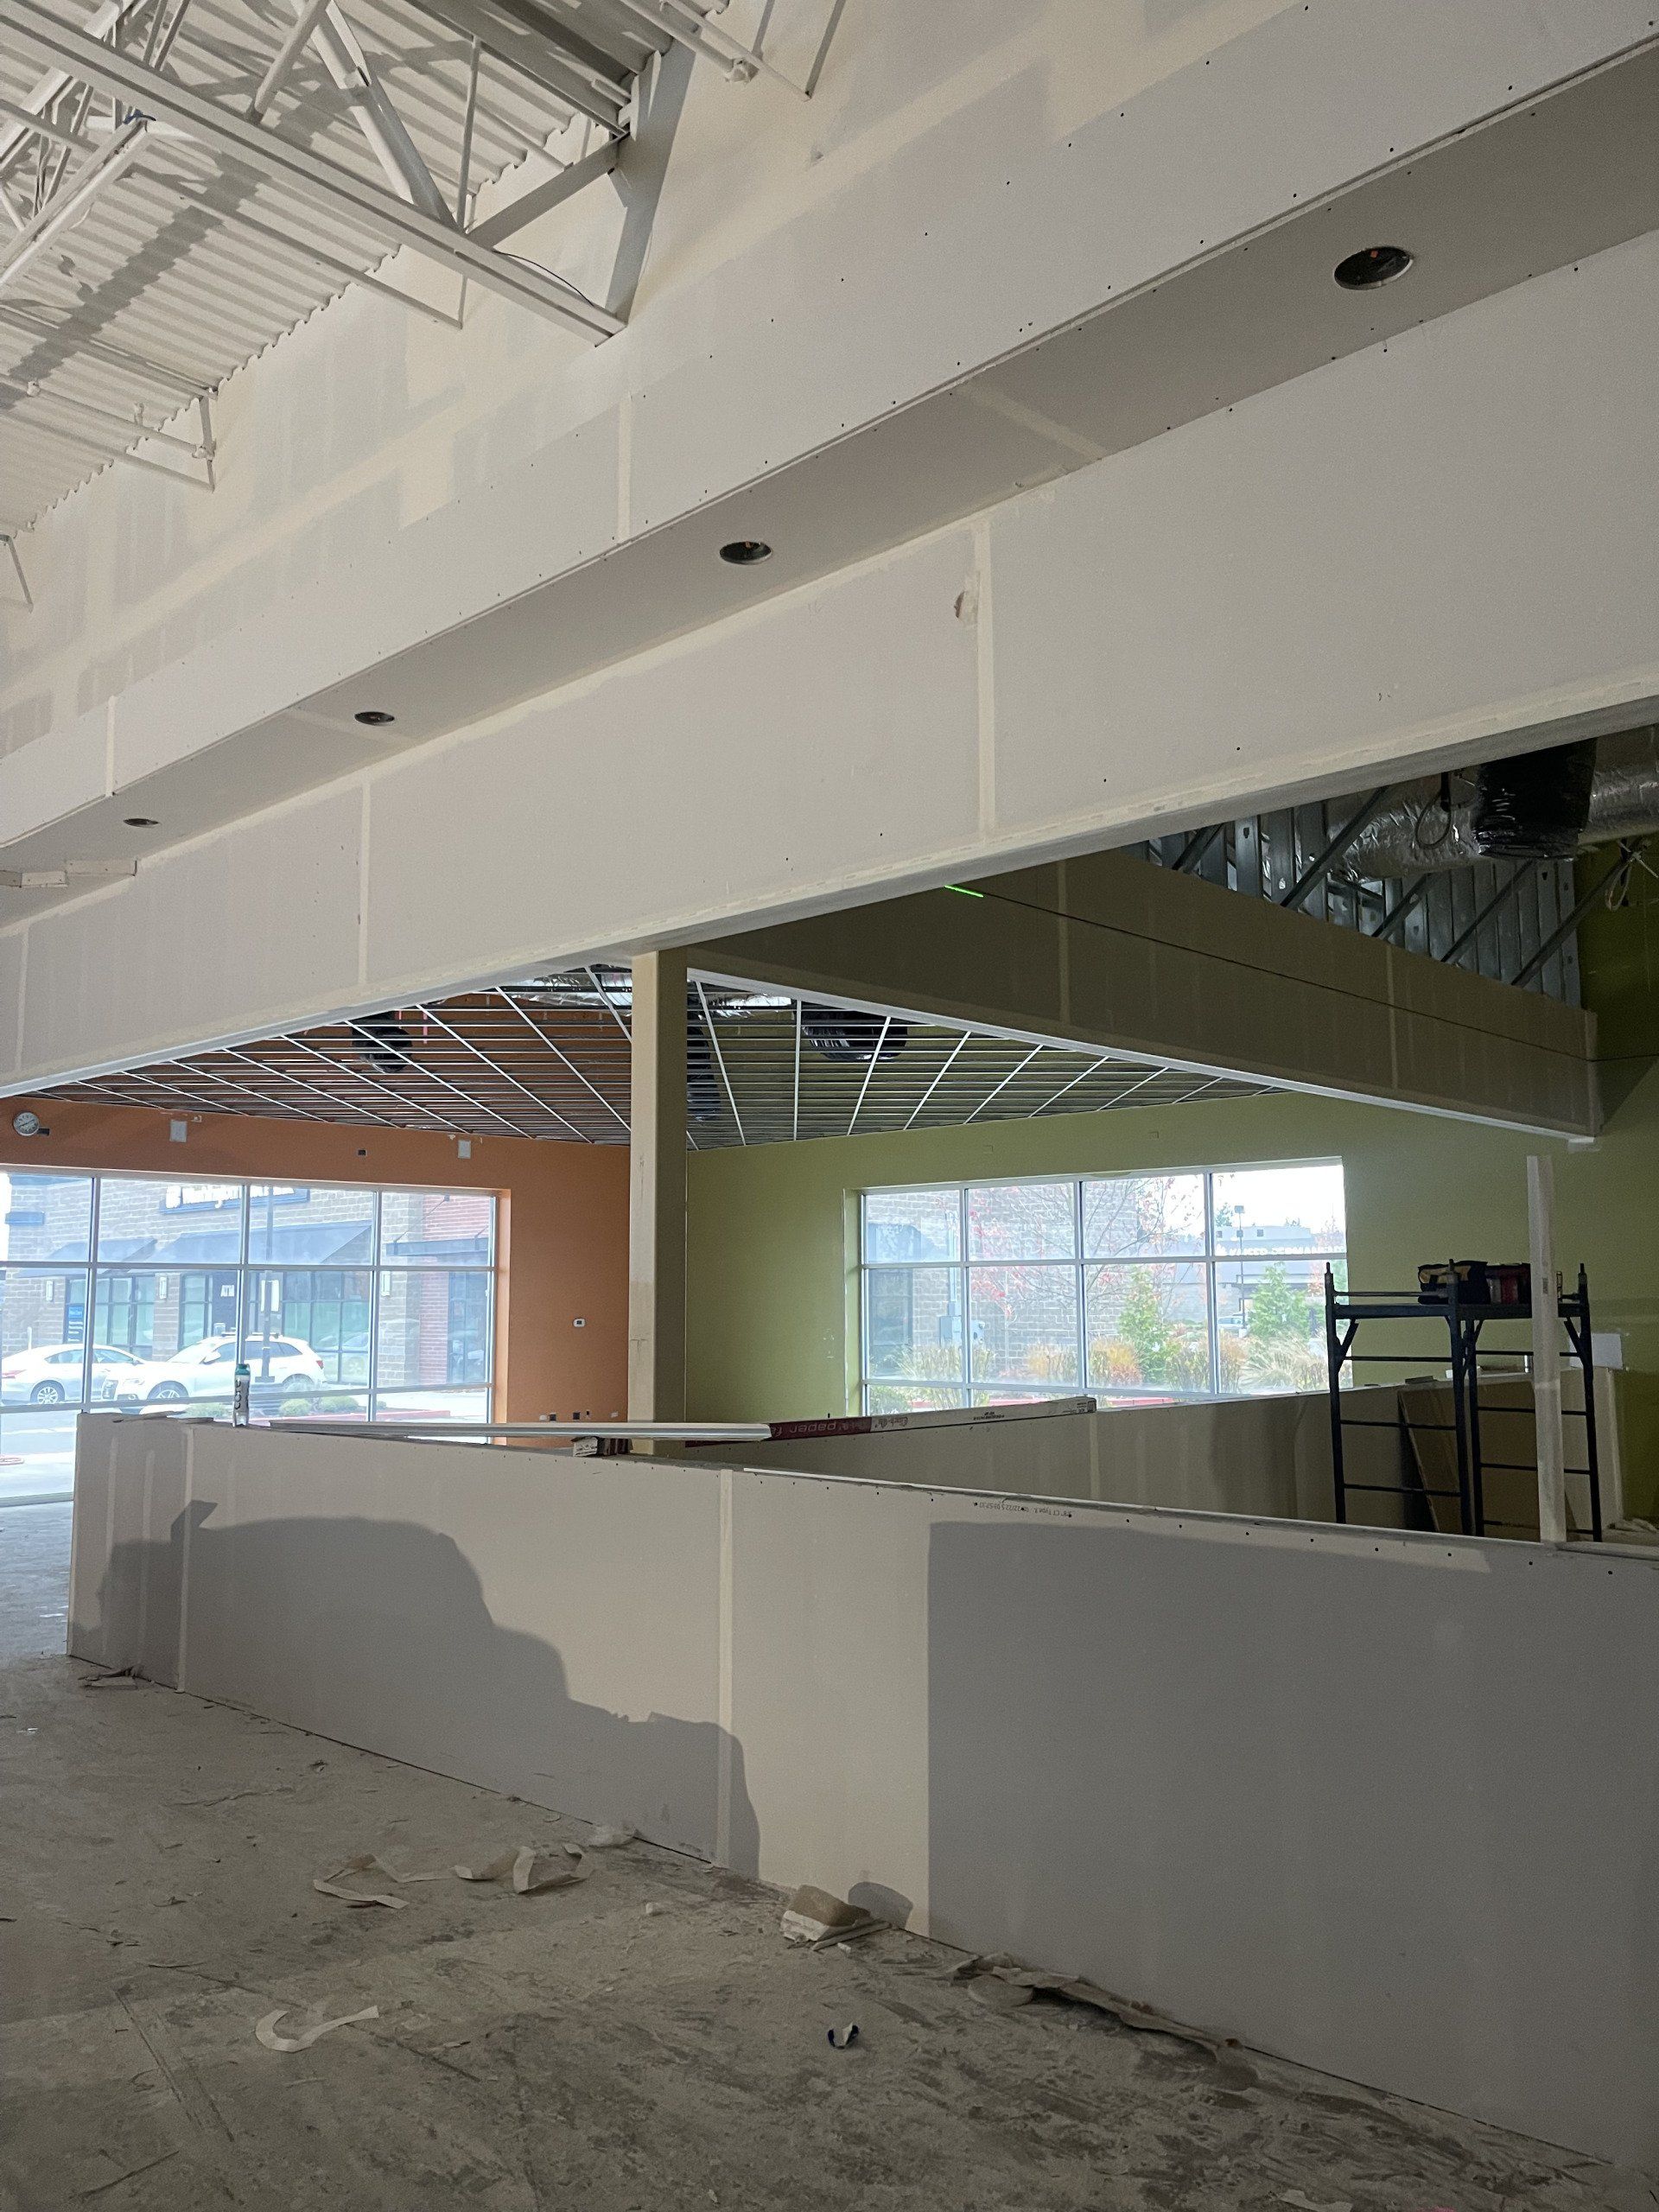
[(143, 1224), (1148, 1327), (913, 1323), (894, 1398), (45, 1216), (912, 1226), (307, 1337), (1024, 1325), (317, 1225), (1270, 1325), (1022, 1221), (995, 1395), (43, 1337), (170, 1331), (37, 1454), (1143, 1216), (434, 1335), (432, 1405), (436, 1228), (1297, 1209)]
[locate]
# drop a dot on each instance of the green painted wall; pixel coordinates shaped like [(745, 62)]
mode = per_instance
[(771, 1308), (771, 1245)]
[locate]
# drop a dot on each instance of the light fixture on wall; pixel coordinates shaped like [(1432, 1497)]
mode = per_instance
[(1371, 266), (373, 717), (744, 552)]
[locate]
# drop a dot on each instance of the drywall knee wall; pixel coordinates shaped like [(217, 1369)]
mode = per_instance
[(1385, 1804), (1267, 1455)]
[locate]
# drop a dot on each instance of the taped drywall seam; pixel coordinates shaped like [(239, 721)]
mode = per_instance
[(723, 1790), (189, 1435), (986, 673), (135, 1657), (106, 1597)]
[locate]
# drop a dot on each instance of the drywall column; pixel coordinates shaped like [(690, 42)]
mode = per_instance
[(1546, 1352), (656, 1191)]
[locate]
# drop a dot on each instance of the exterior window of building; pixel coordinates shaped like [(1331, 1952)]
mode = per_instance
[(342, 1300), (1133, 1288)]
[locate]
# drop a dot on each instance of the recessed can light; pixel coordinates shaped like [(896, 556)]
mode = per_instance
[(142, 821), (374, 717), (744, 552), (1371, 266)]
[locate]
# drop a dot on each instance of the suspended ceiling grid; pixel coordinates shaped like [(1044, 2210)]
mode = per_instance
[(548, 1057), (169, 265)]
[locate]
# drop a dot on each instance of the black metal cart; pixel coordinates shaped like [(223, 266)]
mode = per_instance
[(1462, 1321)]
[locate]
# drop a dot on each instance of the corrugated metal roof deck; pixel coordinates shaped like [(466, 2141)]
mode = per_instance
[(187, 267)]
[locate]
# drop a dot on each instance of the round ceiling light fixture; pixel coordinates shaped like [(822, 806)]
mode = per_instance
[(1371, 266), (142, 821), (744, 552), (373, 717)]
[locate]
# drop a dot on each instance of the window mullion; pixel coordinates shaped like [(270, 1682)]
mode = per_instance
[(374, 1310), (1083, 1318), (1211, 1284), (964, 1358), (89, 1324)]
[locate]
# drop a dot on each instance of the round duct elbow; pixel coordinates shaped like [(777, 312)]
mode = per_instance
[(841, 1033), (1535, 807)]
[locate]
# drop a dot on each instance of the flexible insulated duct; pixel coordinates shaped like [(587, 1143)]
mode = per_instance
[(1416, 835), (843, 1033)]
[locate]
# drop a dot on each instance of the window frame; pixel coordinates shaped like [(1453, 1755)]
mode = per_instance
[(1209, 1262), (94, 1274)]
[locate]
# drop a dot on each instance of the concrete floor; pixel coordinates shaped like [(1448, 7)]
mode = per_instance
[(571, 2050)]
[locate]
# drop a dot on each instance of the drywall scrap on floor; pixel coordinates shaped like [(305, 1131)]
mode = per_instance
[(1202, 1760)]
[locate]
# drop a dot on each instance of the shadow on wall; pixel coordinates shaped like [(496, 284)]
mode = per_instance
[(375, 1633), (1292, 1791)]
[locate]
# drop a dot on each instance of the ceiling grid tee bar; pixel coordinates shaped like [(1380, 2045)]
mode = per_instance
[(548, 1057)]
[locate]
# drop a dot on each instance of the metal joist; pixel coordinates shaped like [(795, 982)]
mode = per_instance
[(315, 176), (228, 167)]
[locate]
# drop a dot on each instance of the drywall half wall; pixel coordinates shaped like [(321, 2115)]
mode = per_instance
[(773, 1229), (562, 1282), (1385, 1804), (1269, 1455)]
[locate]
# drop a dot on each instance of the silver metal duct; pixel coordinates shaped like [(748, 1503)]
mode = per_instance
[(1416, 835)]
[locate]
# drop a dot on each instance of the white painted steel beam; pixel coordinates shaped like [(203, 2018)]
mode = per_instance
[(558, 68), (9, 540), (103, 18), (294, 44), (235, 140), (97, 174), (389, 141), (552, 191)]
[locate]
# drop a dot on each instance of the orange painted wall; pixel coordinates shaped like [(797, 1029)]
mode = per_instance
[(563, 1221)]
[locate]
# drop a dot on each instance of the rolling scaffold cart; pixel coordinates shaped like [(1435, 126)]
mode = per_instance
[(1463, 1319)]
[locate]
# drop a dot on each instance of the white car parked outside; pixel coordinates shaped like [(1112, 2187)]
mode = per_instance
[(50, 1375), (207, 1370)]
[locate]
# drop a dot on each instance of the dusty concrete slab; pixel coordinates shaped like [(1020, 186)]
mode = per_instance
[(156, 1855)]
